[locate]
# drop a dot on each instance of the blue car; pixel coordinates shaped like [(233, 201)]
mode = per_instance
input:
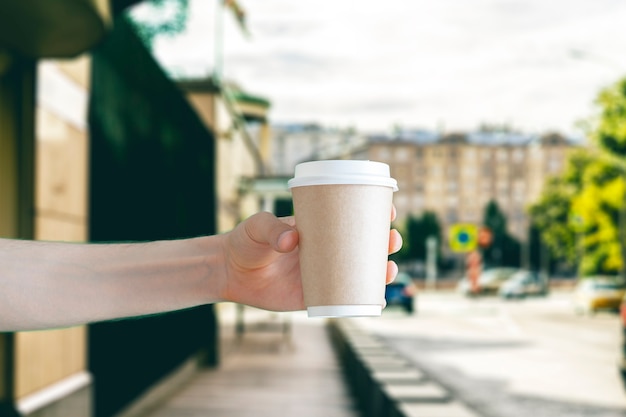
[(401, 292)]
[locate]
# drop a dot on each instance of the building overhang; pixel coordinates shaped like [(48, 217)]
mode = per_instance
[(53, 28), (266, 186), (253, 108)]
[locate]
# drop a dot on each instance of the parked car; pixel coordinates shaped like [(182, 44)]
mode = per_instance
[(622, 362), (524, 283), (597, 293), (489, 281), (402, 292)]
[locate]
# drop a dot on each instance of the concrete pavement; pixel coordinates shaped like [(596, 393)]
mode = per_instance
[(285, 365), (267, 372)]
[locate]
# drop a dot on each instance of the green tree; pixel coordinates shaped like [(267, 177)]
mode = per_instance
[(504, 249), (553, 215), (597, 208), (415, 231), (578, 213), (608, 129), (609, 132), (581, 213), (160, 17)]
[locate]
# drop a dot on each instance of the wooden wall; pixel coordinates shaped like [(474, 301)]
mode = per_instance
[(43, 358), (46, 357)]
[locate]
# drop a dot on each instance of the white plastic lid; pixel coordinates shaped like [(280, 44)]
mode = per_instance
[(342, 172), (367, 310)]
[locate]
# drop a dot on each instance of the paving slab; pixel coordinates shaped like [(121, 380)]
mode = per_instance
[(435, 410), (398, 377), (426, 392)]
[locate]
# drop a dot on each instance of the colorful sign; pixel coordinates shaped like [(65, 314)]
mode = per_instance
[(463, 237)]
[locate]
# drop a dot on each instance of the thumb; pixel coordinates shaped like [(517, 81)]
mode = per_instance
[(287, 240), (288, 237), (277, 233)]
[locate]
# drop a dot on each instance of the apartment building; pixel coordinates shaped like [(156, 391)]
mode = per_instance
[(456, 175), (294, 143)]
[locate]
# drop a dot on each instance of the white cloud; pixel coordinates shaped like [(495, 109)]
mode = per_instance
[(419, 63)]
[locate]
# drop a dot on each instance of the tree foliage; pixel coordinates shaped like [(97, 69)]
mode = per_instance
[(504, 249), (416, 231), (580, 211), (553, 213), (609, 130), (160, 17)]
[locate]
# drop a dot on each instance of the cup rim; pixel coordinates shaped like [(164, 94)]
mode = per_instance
[(339, 172)]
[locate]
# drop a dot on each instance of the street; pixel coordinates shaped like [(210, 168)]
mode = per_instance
[(532, 357)]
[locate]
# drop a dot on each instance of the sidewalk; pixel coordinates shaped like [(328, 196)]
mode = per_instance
[(266, 372)]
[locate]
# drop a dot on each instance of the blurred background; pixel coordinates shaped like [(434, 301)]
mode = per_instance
[(504, 123)]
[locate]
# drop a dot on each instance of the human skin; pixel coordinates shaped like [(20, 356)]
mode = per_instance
[(51, 284)]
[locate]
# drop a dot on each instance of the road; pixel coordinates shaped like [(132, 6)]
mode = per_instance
[(531, 357)]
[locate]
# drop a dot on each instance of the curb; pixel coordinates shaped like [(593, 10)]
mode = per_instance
[(384, 383)]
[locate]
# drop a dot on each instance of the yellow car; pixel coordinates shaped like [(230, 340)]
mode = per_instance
[(598, 293)]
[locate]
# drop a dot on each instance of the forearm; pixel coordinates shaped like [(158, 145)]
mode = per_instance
[(46, 284)]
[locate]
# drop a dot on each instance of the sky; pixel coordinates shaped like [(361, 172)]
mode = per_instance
[(447, 65)]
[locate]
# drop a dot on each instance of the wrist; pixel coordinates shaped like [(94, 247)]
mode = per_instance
[(215, 270)]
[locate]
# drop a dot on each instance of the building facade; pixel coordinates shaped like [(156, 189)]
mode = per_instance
[(457, 175), (241, 151), (295, 143)]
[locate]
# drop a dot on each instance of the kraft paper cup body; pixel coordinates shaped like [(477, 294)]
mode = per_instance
[(343, 211)]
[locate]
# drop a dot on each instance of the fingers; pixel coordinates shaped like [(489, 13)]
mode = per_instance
[(395, 241), (392, 271), (393, 212)]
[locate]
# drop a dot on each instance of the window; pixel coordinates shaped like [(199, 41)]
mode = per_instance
[(470, 154), (469, 171), (554, 165), (402, 154), (401, 202)]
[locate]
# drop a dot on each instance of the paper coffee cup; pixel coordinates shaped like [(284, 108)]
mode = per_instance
[(343, 211)]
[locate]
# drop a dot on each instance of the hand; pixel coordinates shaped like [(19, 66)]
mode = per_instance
[(262, 264)]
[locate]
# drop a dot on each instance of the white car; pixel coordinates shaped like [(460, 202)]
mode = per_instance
[(598, 293), (524, 283), (489, 281)]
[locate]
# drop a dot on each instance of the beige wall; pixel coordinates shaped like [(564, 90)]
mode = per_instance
[(43, 358), (46, 357), (457, 180)]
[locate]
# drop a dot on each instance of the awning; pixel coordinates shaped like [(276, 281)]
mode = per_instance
[(53, 28)]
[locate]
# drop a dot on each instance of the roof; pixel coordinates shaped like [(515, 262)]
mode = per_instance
[(56, 29), (481, 138)]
